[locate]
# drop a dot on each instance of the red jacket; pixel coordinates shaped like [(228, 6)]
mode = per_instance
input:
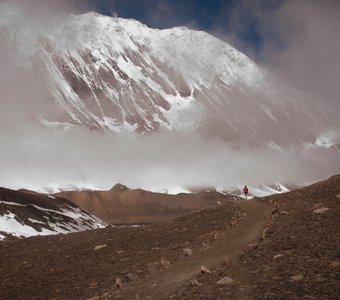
[(245, 190)]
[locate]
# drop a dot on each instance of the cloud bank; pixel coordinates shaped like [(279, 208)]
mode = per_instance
[(299, 42)]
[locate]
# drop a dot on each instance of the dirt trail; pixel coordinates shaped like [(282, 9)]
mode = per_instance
[(231, 244), (299, 257)]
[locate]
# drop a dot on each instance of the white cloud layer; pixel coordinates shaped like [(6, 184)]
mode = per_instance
[(39, 158)]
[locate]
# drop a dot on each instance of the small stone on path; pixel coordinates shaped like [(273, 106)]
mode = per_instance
[(264, 233), (278, 256), (195, 283), (335, 264), (297, 278), (93, 285), (187, 251), (226, 260), (98, 247), (320, 210), (119, 283), (164, 262), (253, 245), (205, 270), (225, 280), (131, 276), (152, 267)]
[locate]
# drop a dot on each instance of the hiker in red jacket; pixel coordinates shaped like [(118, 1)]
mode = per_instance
[(245, 191)]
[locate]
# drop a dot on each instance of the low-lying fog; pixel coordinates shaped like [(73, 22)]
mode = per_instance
[(34, 158)]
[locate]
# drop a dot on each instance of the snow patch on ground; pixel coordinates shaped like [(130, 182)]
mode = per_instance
[(11, 203), (76, 220), (76, 214), (35, 221), (10, 225)]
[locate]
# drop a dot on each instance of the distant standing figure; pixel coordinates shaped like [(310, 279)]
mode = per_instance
[(245, 191)]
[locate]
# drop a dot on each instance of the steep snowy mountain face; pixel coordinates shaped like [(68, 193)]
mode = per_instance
[(24, 214), (114, 74)]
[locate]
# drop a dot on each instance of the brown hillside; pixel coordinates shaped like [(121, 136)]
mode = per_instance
[(121, 206), (68, 267), (279, 247), (299, 257)]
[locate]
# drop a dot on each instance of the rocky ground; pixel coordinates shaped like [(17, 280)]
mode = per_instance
[(300, 256), (297, 255), (81, 265), (279, 247)]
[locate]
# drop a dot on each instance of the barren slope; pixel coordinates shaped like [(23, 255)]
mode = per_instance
[(298, 259), (295, 257), (68, 267), (140, 206)]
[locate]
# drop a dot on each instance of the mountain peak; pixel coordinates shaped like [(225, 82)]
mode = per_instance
[(117, 74)]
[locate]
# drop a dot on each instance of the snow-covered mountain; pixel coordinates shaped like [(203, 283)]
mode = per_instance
[(257, 190), (25, 213), (115, 74)]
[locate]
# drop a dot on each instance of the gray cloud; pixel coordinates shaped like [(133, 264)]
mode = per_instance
[(300, 43), (41, 158), (40, 7)]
